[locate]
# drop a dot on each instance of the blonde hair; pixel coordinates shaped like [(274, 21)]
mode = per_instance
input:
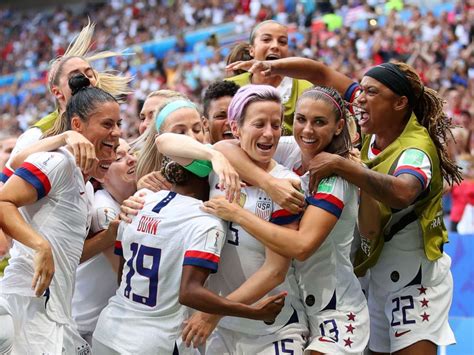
[(149, 158), (167, 94), (109, 81)]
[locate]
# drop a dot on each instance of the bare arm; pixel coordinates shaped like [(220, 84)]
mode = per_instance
[(193, 294), (100, 242), (14, 194), (304, 241), (299, 68), (83, 150), (369, 222), (184, 150), (397, 192), (284, 192)]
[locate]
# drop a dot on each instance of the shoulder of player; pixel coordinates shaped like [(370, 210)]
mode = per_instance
[(282, 172), (103, 199), (49, 161)]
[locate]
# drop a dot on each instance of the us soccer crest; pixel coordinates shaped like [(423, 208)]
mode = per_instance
[(263, 207)]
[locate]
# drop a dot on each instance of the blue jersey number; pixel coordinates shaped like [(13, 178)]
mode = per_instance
[(139, 252)]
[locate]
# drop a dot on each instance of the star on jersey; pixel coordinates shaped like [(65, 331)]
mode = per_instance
[(425, 316), (351, 317), (422, 290), (348, 342), (350, 329), (424, 302)]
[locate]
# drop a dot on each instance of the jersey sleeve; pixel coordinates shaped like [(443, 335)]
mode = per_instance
[(118, 242), (29, 137), (102, 215), (415, 162), (44, 171), (286, 150), (205, 245), (331, 195), (279, 215), (351, 94)]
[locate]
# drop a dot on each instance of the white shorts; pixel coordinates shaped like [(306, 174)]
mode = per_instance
[(338, 332), (34, 332), (401, 318), (291, 339)]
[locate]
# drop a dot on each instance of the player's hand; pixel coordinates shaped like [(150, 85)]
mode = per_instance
[(253, 66), (228, 178), (44, 269), (268, 308), (220, 207), (198, 328), (287, 194), (154, 181), (83, 150), (131, 206), (112, 230), (321, 166)]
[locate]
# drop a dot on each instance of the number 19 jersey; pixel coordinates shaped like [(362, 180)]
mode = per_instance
[(171, 231)]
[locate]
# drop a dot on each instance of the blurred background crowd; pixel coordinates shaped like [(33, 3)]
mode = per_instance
[(182, 45)]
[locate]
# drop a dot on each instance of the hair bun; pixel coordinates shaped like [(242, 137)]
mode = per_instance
[(78, 82)]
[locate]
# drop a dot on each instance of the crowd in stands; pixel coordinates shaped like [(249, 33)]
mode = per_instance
[(439, 46)]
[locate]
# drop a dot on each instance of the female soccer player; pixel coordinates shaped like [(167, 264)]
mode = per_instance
[(335, 305), (269, 41), (145, 315), (76, 60), (410, 289), (49, 233), (248, 269)]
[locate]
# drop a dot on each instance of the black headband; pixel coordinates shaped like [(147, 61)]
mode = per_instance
[(393, 78)]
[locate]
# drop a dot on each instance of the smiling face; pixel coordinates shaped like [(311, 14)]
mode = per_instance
[(71, 66), (121, 174), (102, 129), (184, 121), (314, 126), (148, 112), (219, 128), (260, 131), (270, 42), (377, 104)]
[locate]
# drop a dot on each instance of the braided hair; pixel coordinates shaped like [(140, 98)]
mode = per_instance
[(429, 112)]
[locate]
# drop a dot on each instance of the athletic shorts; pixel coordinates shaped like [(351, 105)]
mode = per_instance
[(291, 339), (339, 332), (34, 332), (401, 318)]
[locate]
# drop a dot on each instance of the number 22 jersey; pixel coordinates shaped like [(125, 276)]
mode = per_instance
[(145, 316)]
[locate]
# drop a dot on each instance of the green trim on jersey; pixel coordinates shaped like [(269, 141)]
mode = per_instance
[(298, 87), (427, 208)]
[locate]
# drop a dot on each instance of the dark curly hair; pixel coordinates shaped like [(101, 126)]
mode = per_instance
[(215, 91)]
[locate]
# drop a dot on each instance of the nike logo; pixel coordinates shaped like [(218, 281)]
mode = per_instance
[(326, 340), (399, 334), (82, 193)]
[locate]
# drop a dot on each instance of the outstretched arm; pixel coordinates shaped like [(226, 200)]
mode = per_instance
[(394, 191), (83, 150), (184, 150), (299, 68), (304, 241)]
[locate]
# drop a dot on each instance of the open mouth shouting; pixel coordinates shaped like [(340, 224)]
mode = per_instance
[(227, 134), (272, 56)]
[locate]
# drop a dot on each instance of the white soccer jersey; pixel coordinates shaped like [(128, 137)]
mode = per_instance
[(96, 281), (61, 216), (28, 138), (145, 316), (288, 153), (404, 252), (243, 255), (326, 278)]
